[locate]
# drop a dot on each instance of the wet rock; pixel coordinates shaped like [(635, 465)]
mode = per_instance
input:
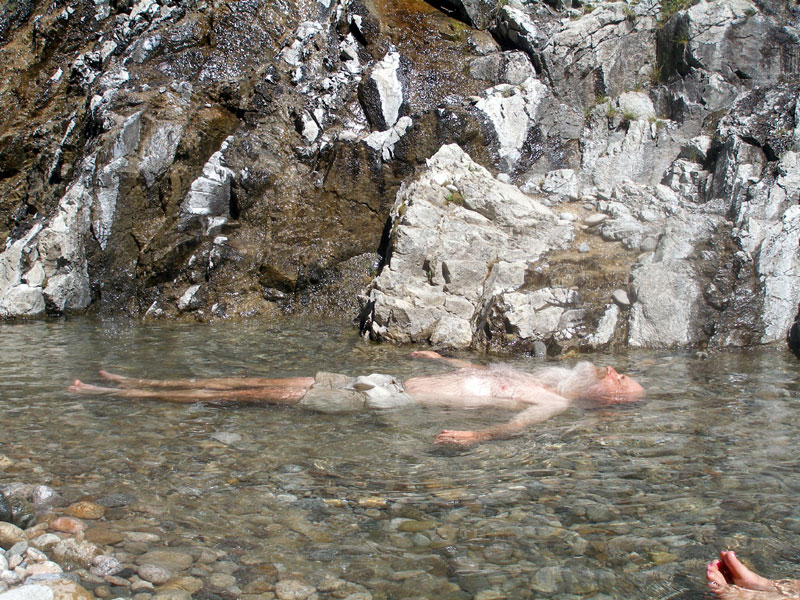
[(291, 589), (154, 574), (478, 13), (44, 497), (103, 535), (29, 592), (104, 566), (68, 525), (85, 510), (75, 553), (10, 535), (5, 509), (168, 559), (67, 589), (547, 580), (116, 500), (794, 336), (46, 541), (172, 594)]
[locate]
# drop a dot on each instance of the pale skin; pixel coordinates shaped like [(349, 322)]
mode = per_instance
[(470, 386), (730, 579)]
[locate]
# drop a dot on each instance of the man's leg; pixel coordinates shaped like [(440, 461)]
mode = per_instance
[(215, 383), (279, 391)]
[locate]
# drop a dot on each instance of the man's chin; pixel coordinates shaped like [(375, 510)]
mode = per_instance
[(622, 398)]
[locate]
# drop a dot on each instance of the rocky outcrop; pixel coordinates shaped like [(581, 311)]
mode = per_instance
[(461, 243), (187, 160)]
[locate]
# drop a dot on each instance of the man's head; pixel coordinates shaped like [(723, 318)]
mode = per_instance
[(611, 387)]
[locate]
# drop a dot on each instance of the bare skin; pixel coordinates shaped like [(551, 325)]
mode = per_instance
[(729, 579), (470, 386)]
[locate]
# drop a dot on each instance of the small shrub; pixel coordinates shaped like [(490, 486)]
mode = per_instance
[(656, 74), (671, 7), (454, 198)]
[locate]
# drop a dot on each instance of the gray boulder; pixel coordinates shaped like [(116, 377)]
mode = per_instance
[(461, 239)]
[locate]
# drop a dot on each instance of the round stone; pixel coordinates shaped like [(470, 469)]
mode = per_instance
[(621, 297), (10, 535), (595, 219), (85, 510), (154, 574), (291, 589), (103, 535), (68, 525), (169, 559)]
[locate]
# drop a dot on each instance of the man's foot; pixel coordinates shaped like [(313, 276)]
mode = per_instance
[(78, 387), (111, 376), (729, 579)]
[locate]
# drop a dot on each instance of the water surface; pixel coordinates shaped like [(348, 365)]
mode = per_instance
[(622, 502)]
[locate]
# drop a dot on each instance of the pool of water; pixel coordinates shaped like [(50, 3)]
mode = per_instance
[(622, 502)]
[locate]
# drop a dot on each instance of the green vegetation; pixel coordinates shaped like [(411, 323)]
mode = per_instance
[(656, 74), (670, 7), (455, 198), (681, 38), (630, 14), (658, 122)]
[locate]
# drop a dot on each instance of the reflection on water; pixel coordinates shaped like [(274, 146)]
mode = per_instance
[(625, 502)]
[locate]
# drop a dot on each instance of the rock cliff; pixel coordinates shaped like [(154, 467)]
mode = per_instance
[(516, 175)]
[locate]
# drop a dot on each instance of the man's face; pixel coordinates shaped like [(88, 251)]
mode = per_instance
[(613, 387)]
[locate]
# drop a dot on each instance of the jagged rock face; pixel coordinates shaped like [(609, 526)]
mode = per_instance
[(248, 151), (240, 158)]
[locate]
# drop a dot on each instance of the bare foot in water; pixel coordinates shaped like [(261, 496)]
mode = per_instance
[(78, 387), (111, 376), (729, 579)]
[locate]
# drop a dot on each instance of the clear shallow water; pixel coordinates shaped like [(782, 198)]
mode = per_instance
[(623, 502)]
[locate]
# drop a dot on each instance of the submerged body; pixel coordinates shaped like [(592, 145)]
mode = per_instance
[(537, 397)]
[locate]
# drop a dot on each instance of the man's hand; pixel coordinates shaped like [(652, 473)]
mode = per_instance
[(462, 438)]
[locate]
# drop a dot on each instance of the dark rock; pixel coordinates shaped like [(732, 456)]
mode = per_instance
[(793, 338), (5, 510)]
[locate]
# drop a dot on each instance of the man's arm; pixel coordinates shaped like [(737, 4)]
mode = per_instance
[(551, 405), (456, 362)]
